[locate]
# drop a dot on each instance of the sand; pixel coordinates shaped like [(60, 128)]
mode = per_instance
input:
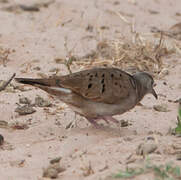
[(35, 39)]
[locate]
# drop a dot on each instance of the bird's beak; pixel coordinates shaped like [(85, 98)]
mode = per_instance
[(154, 93)]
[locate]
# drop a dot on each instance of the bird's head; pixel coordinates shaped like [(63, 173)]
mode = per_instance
[(146, 82)]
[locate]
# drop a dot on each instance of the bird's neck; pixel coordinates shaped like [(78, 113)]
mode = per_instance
[(140, 90)]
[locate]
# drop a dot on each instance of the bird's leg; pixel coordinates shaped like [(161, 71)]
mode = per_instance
[(102, 118), (110, 118), (106, 120), (93, 121)]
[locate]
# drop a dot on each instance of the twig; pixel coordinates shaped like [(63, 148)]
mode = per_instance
[(160, 41), (122, 18), (4, 55), (68, 59), (3, 87)]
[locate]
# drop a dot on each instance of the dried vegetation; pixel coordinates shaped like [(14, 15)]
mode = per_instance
[(141, 52)]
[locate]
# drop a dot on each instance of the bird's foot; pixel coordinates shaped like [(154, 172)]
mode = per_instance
[(110, 118), (107, 119), (93, 122)]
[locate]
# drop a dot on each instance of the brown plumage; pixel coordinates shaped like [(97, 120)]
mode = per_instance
[(97, 93)]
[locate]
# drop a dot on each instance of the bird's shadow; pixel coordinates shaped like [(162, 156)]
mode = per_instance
[(105, 131)]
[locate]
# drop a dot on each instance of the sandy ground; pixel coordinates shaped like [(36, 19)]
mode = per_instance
[(35, 39)]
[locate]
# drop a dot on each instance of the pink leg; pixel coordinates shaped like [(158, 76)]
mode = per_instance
[(93, 122), (102, 118), (110, 118), (105, 118)]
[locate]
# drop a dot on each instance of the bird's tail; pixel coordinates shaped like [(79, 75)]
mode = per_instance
[(35, 82), (50, 85)]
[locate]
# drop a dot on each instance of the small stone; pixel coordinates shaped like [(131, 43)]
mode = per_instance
[(179, 86), (125, 123), (55, 160), (37, 68), (4, 1), (56, 70), (24, 110), (40, 102), (178, 157), (53, 170), (59, 61), (9, 88), (87, 170), (177, 14), (146, 148), (153, 11), (50, 172), (3, 124), (161, 108), (116, 3), (104, 28), (1, 140), (89, 28), (179, 100), (17, 163), (24, 100), (150, 138)]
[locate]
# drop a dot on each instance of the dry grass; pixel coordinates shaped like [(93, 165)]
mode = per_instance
[(145, 53), (140, 52), (4, 53)]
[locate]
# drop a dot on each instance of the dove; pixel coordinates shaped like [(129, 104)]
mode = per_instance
[(97, 93)]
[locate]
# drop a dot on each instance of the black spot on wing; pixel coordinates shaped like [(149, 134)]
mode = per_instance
[(102, 81), (103, 88), (89, 86)]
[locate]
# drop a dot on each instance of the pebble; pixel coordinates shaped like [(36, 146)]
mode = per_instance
[(146, 148), (161, 108), (24, 110), (1, 140)]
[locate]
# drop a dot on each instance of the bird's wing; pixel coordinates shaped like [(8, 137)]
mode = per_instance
[(106, 85)]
